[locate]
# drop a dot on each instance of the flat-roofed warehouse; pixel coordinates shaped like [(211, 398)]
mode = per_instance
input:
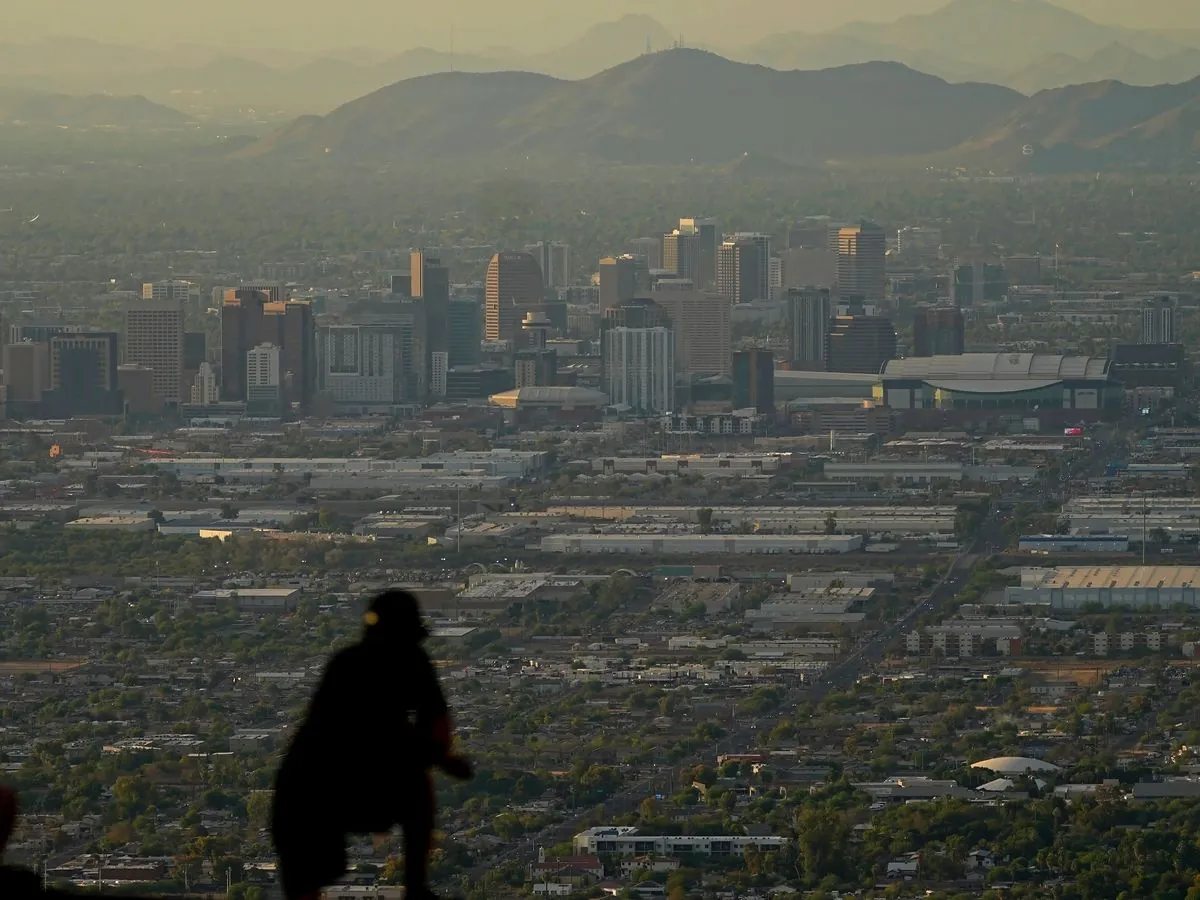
[(991, 382), (1073, 587)]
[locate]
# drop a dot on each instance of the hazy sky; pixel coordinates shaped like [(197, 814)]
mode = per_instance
[(523, 24)]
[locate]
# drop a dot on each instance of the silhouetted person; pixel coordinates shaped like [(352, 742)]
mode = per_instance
[(360, 763)]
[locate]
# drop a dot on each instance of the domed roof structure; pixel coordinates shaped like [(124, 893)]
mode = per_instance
[(1015, 765)]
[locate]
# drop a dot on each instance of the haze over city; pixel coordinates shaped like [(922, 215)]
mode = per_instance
[(523, 25), (570, 450)]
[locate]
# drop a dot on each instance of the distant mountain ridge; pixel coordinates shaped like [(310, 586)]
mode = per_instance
[(684, 107), (675, 106), (27, 107)]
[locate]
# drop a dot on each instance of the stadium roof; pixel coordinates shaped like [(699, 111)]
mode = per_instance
[(564, 396), (1045, 368)]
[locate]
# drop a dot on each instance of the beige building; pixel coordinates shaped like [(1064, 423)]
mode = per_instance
[(702, 334), (26, 372), (154, 339)]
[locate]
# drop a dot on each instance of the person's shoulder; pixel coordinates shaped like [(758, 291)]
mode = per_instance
[(18, 883)]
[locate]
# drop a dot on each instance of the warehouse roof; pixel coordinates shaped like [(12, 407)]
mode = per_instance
[(972, 367), (1123, 577)]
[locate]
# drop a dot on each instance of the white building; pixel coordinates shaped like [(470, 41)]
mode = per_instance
[(205, 389), (701, 544), (264, 381), (639, 368), (439, 364), (625, 840)]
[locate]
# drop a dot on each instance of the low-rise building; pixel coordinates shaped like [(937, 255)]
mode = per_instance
[(626, 840)]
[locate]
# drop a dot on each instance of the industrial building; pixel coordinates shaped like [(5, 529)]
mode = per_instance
[(1074, 543), (708, 544), (1073, 587), (1176, 517), (913, 472)]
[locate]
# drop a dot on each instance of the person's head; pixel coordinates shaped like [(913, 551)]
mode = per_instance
[(395, 617), (8, 815)]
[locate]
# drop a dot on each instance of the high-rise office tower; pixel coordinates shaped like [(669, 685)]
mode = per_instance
[(264, 379), (754, 380), (26, 378), (808, 313), (362, 367), (154, 340), (681, 255), (742, 271), (83, 374), (464, 331), (289, 326), (1158, 321), (862, 261), (535, 366), (512, 287), (637, 348), (205, 390), (647, 249), (618, 281), (938, 331), (859, 344), (431, 288), (709, 240), (555, 261), (701, 322), (241, 328)]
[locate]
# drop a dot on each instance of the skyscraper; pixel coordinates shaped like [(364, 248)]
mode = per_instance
[(288, 325), (555, 261), (264, 379), (431, 289), (1158, 321), (154, 340), (513, 285), (26, 378), (647, 249), (618, 281), (977, 282), (862, 255), (464, 331), (938, 331), (742, 271), (241, 327), (181, 291), (709, 239), (809, 311), (362, 367), (83, 374), (535, 366), (859, 344), (754, 380), (637, 347), (701, 322), (681, 255)]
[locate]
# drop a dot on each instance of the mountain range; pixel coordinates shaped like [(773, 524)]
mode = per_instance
[(25, 107), (1029, 45), (683, 107)]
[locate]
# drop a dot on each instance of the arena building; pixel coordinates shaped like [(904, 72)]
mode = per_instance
[(986, 385)]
